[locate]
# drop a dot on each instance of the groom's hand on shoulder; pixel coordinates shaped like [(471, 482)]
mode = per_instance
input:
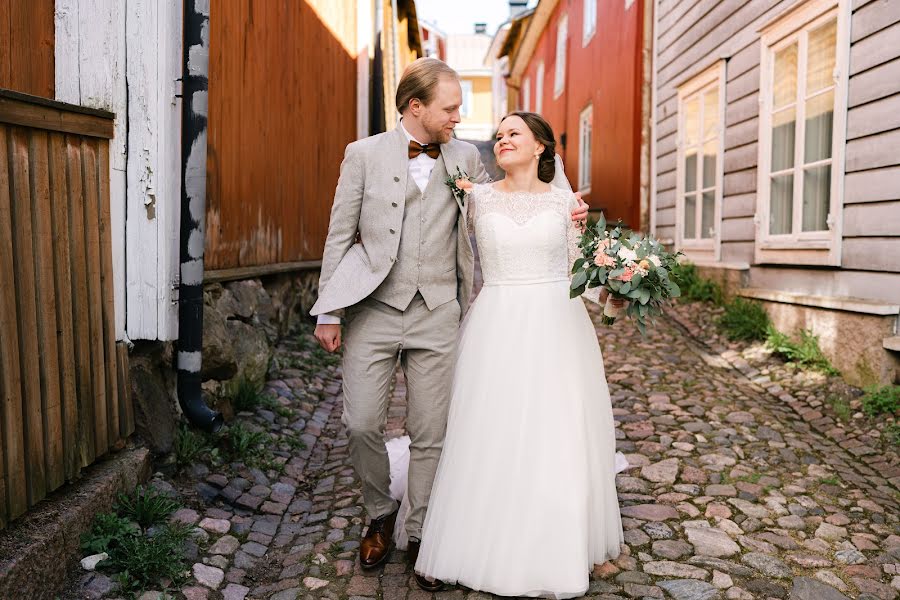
[(329, 337), (579, 215)]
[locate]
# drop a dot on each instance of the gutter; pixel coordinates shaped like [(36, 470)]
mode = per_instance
[(195, 86)]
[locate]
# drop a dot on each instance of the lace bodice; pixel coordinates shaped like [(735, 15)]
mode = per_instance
[(524, 237)]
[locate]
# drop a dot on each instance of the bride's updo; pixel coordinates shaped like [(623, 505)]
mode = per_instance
[(543, 133)]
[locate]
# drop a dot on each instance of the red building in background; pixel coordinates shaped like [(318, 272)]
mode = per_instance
[(581, 64)]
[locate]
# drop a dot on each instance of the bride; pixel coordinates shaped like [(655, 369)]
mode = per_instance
[(524, 501)]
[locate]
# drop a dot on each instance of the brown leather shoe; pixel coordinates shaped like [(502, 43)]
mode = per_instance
[(412, 555), (375, 547)]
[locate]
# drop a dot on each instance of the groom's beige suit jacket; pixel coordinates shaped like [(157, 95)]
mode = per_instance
[(370, 199)]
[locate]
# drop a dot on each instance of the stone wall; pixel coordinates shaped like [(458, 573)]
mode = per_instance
[(242, 321)]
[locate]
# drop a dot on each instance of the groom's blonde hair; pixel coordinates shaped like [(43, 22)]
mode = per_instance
[(420, 79)]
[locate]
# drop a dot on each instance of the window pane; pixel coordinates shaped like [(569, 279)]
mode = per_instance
[(708, 215), (710, 113), (816, 198), (783, 126), (690, 172), (692, 122), (820, 58), (785, 91), (819, 118), (781, 204), (709, 164), (690, 216)]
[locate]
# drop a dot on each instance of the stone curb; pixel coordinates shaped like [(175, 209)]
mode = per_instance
[(39, 549)]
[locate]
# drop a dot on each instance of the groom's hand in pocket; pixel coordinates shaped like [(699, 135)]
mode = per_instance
[(329, 337)]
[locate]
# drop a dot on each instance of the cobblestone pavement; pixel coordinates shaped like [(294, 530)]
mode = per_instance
[(733, 493)]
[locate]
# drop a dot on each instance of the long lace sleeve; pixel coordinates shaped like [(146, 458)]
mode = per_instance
[(573, 235)]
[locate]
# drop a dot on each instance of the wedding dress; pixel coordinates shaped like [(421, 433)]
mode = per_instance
[(524, 501)]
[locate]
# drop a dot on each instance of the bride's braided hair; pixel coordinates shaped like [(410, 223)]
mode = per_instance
[(543, 133)]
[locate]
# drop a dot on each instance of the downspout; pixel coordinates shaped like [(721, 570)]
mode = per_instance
[(195, 84)]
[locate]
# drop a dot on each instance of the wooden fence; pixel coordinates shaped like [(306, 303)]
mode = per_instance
[(63, 378)]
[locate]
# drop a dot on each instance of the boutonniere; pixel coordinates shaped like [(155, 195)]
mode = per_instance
[(460, 184)]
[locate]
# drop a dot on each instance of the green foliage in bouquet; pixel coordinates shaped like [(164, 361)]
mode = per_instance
[(630, 265)]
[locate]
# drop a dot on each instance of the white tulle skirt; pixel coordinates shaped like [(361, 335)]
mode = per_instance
[(524, 502)]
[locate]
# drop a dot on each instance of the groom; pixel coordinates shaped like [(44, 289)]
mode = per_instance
[(401, 291)]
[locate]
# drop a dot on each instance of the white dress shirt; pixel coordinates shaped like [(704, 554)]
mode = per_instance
[(420, 169)]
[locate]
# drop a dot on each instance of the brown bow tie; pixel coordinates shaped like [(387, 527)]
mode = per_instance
[(415, 149)]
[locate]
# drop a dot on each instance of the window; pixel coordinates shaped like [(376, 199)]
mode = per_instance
[(590, 21), (526, 94), (699, 166), (467, 98), (539, 89), (801, 135), (585, 129), (562, 32)]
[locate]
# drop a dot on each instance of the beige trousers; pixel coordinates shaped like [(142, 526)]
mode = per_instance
[(374, 335)]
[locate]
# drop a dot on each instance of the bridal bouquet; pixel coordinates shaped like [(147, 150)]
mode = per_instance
[(631, 266)]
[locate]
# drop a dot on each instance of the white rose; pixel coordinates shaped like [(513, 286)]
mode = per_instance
[(655, 260)]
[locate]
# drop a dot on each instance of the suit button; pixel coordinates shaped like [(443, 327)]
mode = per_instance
[(396, 179), (392, 231), (394, 204)]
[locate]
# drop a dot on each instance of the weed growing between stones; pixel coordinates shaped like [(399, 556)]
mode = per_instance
[(695, 288), (145, 506), (190, 446), (144, 550), (246, 395), (745, 320), (884, 400), (804, 351)]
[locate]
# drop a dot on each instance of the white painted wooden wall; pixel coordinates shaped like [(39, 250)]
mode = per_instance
[(125, 57)]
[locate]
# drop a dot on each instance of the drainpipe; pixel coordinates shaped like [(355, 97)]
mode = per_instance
[(195, 84)]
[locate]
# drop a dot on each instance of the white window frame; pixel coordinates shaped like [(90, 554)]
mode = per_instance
[(799, 247), (701, 249), (539, 89), (526, 94), (590, 22), (468, 98), (562, 35), (585, 141)]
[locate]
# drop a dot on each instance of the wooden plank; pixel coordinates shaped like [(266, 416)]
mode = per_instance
[(666, 163), (740, 158), (15, 499), (26, 298), (259, 271), (126, 408), (32, 68), (874, 17), (871, 254), (882, 81), (737, 252), (40, 116), (94, 314), (739, 182), (874, 117), (59, 194), (741, 110), (5, 46), (45, 292), (873, 151), (665, 216), (741, 229), (701, 17), (742, 86), (86, 435), (739, 205), (873, 185), (743, 60), (872, 219), (108, 313), (741, 133), (665, 199), (874, 50)]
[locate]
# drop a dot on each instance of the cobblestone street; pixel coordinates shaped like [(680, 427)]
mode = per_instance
[(733, 490)]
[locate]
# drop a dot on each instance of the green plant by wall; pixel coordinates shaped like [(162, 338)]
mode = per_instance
[(145, 506), (745, 320), (695, 288), (246, 395), (803, 351), (884, 400), (107, 533)]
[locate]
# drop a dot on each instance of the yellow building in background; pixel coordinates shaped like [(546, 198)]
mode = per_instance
[(466, 54)]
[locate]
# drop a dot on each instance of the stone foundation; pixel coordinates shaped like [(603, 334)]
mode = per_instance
[(242, 322)]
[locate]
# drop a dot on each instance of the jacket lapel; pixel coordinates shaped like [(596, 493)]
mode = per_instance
[(450, 164), (399, 158)]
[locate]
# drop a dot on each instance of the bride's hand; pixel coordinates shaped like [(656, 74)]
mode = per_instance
[(618, 302), (464, 184)]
